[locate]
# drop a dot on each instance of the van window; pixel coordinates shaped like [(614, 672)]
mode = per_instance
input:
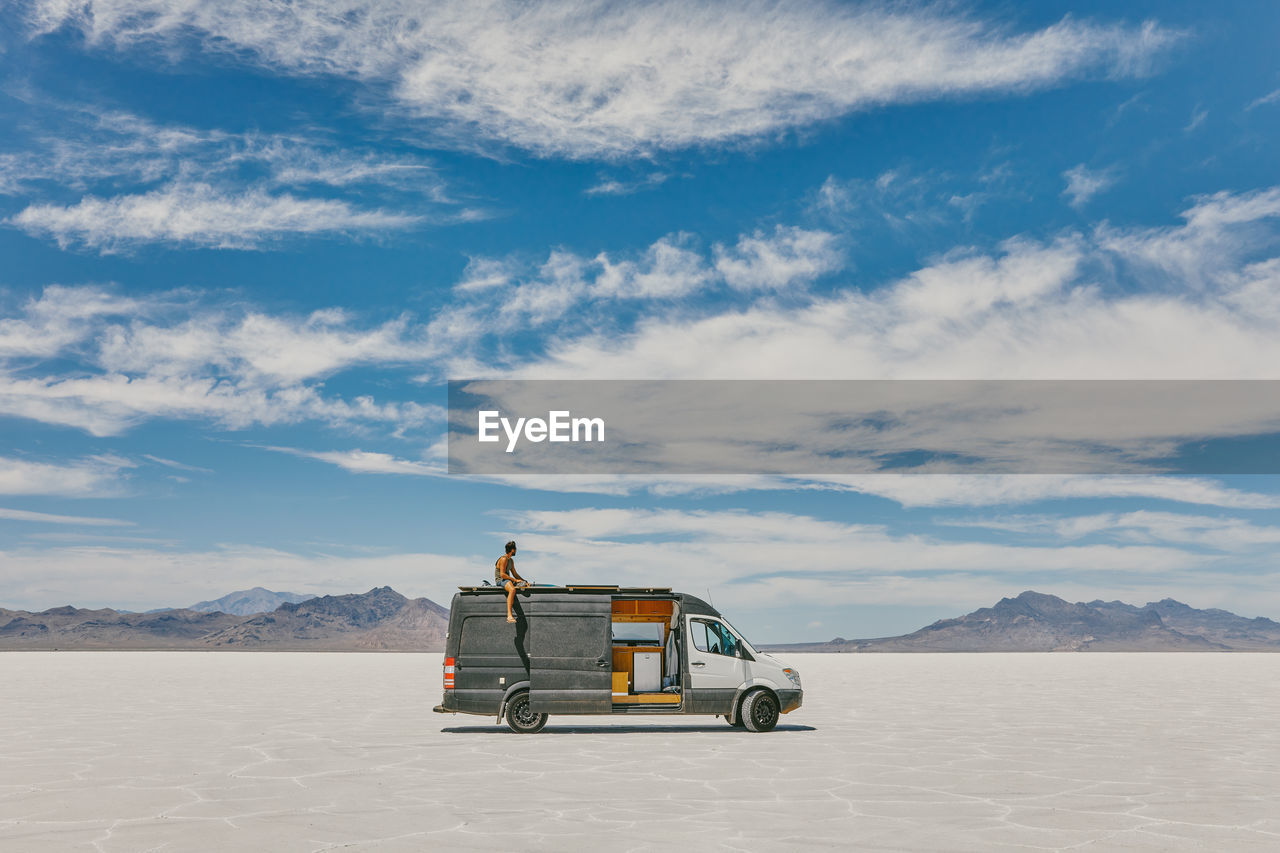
[(712, 637), (637, 633)]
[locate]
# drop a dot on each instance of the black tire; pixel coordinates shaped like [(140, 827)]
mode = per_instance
[(759, 711), (520, 718)]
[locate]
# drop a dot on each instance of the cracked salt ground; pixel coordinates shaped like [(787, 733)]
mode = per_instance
[(307, 752)]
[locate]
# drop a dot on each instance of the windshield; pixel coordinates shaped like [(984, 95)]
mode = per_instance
[(735, 630)]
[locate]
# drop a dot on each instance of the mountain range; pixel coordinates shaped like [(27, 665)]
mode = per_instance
[(1035, 622), (384, 620), (378, 620)]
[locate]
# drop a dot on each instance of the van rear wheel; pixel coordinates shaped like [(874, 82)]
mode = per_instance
[(521, 718), (759, 711)]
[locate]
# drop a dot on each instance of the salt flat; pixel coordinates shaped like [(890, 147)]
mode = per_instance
[(184, 751)]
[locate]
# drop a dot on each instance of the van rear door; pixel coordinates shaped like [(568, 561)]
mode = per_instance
[(571, 658)]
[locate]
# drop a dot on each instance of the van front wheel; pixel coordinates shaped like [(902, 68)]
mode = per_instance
[(759, 711), (521, 718)]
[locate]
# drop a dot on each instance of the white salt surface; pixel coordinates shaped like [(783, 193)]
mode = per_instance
[(300, 752)]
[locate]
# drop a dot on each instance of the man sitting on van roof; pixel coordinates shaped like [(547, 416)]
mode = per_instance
[(506, 576)]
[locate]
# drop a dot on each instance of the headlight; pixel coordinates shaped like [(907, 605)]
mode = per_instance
[(793, 675)]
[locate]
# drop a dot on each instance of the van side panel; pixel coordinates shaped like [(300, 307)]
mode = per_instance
[(570, 656), (490, 655)]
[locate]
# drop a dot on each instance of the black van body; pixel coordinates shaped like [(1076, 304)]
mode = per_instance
[(559, 657)]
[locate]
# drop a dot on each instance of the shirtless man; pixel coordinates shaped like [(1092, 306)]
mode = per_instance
[(506, 576)]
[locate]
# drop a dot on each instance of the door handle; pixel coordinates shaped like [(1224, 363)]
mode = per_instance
[(602, 663), (697, 663)]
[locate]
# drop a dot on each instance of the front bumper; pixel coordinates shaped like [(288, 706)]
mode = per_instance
[(790, 700)]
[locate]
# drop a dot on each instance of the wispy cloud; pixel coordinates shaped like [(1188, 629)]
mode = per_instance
[(190, 187), (169, 463), (174, 356), (367, 462), (82, 147), (95, 476), (198, 215), (1084, 183), (595, 79), (48, 518), (1145, 526), (611, 186), (500, 295), (1269, 98), (930, 490)]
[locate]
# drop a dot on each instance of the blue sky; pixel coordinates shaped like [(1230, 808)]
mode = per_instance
[(245, 246)]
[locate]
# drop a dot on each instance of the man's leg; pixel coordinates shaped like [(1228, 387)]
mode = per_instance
[(511, 597)]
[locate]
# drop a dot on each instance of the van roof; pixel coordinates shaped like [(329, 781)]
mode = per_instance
[(597, 588), (691, 604)]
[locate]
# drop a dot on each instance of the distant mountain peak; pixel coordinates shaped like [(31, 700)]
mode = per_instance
[(249, 601)]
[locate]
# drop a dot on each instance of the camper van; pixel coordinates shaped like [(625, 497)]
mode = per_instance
[(606, 650)]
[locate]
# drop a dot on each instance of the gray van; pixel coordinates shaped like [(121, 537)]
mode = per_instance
[(606, 650)]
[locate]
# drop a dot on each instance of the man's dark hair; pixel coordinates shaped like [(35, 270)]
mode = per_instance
[(511, 546)]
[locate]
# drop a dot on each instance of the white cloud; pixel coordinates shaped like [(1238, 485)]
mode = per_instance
[(1084, 183), (936, 490), (788, 256), (174, 357), (193, 187), (58, 318), (96, 476), (569, 291), (611, 186), (367, 462), (1269, 98), (48, 518), (598, 79), (484, 274), (1217, 250), (198, 215), (1196, 301), (1222, 533), (170, 463)]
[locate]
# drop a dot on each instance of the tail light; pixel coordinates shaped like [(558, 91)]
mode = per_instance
[(450, 667)]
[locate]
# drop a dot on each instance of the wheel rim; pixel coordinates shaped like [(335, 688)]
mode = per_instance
[(522, 715), (764, 712)]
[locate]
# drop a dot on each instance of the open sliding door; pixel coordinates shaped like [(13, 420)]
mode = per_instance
[(570, 658)]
